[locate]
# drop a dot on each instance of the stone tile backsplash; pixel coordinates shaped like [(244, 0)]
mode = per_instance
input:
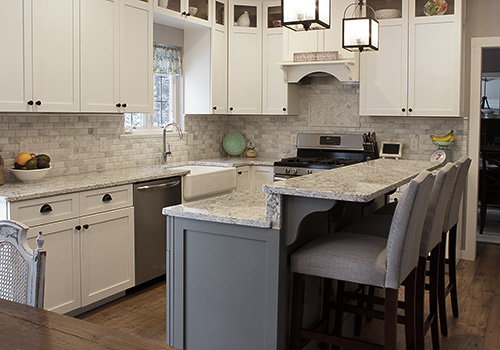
[(85, 143)]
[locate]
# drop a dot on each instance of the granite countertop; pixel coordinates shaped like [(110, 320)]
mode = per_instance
[(360, 182), (50, 186), (247, 208)]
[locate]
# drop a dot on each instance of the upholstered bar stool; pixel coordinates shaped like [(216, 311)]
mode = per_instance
[(430, 246), (450, 230), (368, 260)]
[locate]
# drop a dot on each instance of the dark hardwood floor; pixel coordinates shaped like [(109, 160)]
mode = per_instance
[(478, 327)]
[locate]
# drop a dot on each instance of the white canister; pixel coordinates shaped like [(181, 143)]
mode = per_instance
[(244, 20)]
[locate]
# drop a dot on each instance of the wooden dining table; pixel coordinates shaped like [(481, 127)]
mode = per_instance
[(27, 327)]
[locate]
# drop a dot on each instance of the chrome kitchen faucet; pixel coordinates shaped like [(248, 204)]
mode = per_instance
[(166, 145)]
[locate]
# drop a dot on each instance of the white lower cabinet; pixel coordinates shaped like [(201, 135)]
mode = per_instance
[(89, 256), (253, 177)]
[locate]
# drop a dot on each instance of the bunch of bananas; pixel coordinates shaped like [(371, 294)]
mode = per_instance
[(449, 137)]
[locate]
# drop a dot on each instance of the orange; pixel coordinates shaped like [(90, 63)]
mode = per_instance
[(22, 158)]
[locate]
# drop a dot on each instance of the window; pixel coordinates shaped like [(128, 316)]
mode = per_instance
[(167, 81)]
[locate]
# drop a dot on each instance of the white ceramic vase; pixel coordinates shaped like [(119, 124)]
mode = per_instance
[(163, 3), (244, 20)]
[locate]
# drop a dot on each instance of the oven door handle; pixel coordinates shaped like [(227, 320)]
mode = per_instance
[(280, 178)]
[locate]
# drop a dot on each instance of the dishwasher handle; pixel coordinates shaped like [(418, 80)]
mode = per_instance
[(159, 186)]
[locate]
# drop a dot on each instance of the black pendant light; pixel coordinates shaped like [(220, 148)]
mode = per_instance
[(360, 31), (299, 15)]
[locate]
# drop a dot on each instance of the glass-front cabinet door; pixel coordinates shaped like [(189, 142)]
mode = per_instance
[(390, 9), (169, 12), (197, 9)]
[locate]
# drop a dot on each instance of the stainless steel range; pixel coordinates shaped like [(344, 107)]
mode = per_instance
[(317, 152)]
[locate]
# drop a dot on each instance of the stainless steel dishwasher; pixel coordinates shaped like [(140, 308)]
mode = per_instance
[(150, 198)]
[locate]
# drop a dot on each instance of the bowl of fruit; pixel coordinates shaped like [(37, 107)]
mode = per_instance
[(30, 167)]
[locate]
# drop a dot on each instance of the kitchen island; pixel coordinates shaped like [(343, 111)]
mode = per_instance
[(227, 257)]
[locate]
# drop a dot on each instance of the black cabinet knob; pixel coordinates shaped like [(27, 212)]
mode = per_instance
[(410, 110), (38, 103), (124, 105), (183, 13), (118, 105), (231, 108), (30, 103), (240, 172), (78, 227), (107, 198), (284, 109), (403, 109), (214, 108), (46, 208), (86, 226)]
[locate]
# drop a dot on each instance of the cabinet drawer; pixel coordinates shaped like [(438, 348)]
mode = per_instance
[(104, 199), (40, 211)]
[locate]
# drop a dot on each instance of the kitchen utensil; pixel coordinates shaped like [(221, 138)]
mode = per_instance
[(234, 143), (30, 175)]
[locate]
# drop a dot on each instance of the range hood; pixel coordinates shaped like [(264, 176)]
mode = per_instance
[(346, 71)]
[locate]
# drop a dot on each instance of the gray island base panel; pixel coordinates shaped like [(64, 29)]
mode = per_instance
[(227, 276)]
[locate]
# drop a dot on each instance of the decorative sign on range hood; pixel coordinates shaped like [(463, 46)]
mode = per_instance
[(344, 70)]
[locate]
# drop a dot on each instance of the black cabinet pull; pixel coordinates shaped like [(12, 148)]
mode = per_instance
[(107, 197), (86, 226), (38, 103), (214, 108), (231, 108), (410, 110), (30, 103), (240, 172), (78, 227), (124, 105), (403, 109), (118, 105), (46, 208), (284, 109), (188, 14), (183, 13)]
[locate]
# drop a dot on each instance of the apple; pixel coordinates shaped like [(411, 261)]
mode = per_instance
[(33, 155)]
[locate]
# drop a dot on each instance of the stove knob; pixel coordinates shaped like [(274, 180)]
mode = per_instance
[(293, 171), (309, 171), (287, 171)]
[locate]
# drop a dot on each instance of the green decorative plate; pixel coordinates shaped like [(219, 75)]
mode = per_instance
[(234, 143)]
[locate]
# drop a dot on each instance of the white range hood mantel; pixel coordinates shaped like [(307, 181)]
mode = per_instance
[(343, 70)]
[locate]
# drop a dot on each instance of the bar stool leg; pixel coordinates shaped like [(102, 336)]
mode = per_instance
[(299, 282), (433, 302), (419, 304), (410, 299), (390, 320), (452, 268), (441, 288)]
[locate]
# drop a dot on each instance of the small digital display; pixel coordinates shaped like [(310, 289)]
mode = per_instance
[(330, 140), (390, 148)]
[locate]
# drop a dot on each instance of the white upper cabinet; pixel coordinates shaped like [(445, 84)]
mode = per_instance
[(117, 55), (245, 57), (100, 39), (136, 56), (418, 69), (278, 97), (40, 68), (183, 13)]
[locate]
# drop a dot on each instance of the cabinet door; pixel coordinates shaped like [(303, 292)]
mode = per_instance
[(332, 39), (62, 270), (243, 178), (107, 261), (56, 55), (245, 60), (136, 56), (383, 77), (261, 175), (198, 11), (15, 61), (435, 61), (310, 41), (99, 57), (219, 58), (274, 87)]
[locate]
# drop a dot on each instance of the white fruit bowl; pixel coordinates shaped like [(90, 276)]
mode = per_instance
[(30, 175)]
